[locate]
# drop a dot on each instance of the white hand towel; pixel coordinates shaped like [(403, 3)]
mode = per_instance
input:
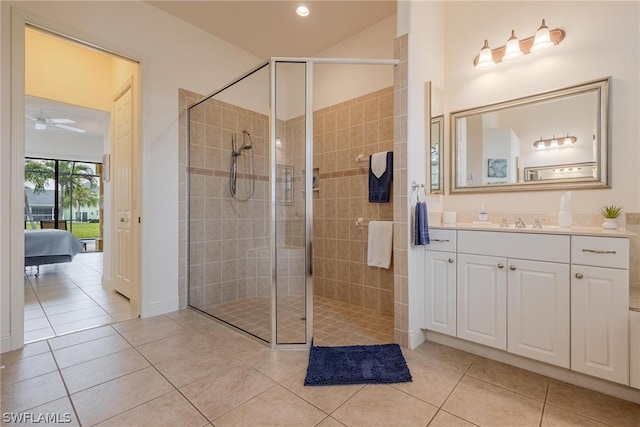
[(379, 163), (380, 244)]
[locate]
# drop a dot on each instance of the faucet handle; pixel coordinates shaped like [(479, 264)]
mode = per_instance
[(519, 222), (536, 224), (504, 223)]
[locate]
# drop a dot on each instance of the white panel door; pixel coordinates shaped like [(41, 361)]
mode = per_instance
[(482, 300), (538, 311), (121, 184), (600, 322), (440, 292)]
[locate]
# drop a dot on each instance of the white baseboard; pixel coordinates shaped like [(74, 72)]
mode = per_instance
[(416, 338), (555, 372), (5, 343), (107, 284), (160, 307)]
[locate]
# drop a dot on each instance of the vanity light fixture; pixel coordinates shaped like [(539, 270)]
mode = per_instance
[(555, 142), (543, 39), (302, 10)]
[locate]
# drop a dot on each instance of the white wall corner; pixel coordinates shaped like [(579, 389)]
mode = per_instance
[(416, 337), (160, 307), (5, 343)]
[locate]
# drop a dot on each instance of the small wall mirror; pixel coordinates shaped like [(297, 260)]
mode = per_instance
[(436, 155), (552, 140)]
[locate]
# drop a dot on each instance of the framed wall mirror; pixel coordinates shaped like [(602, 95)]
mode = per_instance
[(552, 140)]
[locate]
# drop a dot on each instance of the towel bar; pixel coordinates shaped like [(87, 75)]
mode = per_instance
[(360, 223)]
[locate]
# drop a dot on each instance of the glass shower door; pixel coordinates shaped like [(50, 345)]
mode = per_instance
[(291, 213)]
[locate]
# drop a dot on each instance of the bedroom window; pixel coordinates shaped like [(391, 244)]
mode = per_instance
[(64, 194)]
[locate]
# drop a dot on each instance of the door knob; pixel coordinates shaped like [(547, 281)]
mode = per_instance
[(500, 265), (579, 276), (121, 219), (450, 260), (512, 267)]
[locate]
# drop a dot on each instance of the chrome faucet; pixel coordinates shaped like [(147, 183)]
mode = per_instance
[(519, 222), (504, 223), (536, 224)]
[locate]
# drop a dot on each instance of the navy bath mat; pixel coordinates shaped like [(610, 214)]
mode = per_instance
[(357, 364)]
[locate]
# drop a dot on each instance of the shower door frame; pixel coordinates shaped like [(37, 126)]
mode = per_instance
[(308, 182)]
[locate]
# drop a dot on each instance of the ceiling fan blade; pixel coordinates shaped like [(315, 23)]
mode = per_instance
[(61, 121), (71, 128), (30, 117)]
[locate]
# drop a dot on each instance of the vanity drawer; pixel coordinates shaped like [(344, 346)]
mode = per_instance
[(537, 247), (442, 240), (600, 251)]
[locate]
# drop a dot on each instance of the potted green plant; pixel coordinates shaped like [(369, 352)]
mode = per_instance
[(610, 213)]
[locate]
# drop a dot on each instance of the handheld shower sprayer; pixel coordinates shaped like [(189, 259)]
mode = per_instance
[(233, 171)]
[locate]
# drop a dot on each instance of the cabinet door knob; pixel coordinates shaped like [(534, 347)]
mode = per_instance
[(450, 260), (579, 276), (512, 267), (500, 265)]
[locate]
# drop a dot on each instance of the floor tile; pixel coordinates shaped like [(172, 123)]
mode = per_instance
[(432, 382), (109, 399), (447, 356), (219, 393), (330, 422), (27, 367), (81, 337), (594, 405), (486, 404), (445, 419), (159, 330), (35, 324), (169, 410), (281, 364), (327, 398), (39, 334), (27, 351), (80, 325), (382, 405), (194, 365), (510, 377), (74, 316), (93, 372), (556, 417), (83, 352), (32, 392), (57, 412), (275, 407)]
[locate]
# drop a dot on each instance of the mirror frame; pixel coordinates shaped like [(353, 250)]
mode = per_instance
[(437, 127), (603, 158)]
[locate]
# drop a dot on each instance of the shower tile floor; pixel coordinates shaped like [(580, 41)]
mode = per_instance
[(334, 322)]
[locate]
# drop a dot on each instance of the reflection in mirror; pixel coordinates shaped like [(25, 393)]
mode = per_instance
[(437, 138), (533, 143)]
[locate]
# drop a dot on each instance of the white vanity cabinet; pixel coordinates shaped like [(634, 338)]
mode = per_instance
[(634, 353), (600, 307), (440, 284), (482, 300), (515, 297)]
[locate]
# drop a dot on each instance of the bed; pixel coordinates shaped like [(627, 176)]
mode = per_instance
[(49, 246)]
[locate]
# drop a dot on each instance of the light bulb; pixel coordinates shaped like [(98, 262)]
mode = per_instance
[(485, 59), (554, 142), (542, 40), (513, 48), (302, 10)]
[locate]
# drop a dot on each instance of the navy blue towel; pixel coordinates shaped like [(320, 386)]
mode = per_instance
[(380, 188), (421, 235)]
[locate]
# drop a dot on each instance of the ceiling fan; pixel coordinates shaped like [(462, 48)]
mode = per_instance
[(42, 121)]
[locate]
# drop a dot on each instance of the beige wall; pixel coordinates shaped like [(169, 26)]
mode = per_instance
[(363, 125)]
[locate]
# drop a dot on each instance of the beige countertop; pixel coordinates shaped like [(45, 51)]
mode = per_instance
[(547, 229), (634, 299)]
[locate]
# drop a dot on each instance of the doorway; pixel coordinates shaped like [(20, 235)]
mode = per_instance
[(70, 91)]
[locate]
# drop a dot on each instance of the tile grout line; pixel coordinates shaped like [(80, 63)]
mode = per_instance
[(64, 383)]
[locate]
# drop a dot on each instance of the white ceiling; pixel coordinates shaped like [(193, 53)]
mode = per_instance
[(92, 121), (272, 28)]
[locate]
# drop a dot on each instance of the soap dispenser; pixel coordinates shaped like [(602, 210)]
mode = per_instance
[(482, 214)]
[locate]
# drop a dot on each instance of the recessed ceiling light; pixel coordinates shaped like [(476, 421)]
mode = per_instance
[(302, 10)]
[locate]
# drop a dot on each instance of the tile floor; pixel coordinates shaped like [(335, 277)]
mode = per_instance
[(69, 297), (185, 369)]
